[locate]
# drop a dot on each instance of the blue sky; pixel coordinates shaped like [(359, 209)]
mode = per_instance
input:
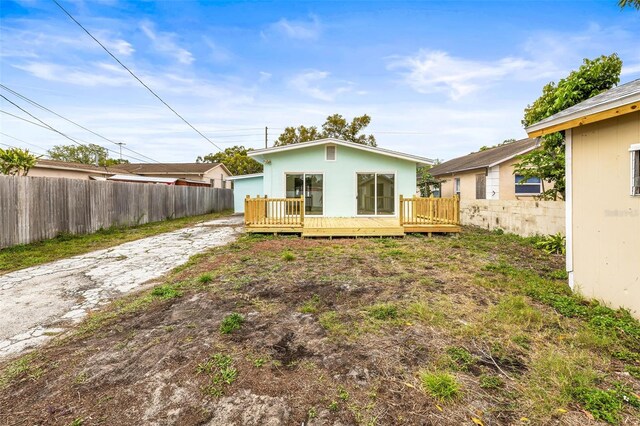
[(439, 79)]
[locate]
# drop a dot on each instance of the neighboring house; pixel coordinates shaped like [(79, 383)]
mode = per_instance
[(336, 178), (489, 174), (213, 173), (602, 194), (63, 169), (159, 180)]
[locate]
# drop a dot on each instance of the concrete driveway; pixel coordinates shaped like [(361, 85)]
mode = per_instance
[(39, 302)]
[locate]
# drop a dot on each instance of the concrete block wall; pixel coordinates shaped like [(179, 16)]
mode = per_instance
[(524, 218)]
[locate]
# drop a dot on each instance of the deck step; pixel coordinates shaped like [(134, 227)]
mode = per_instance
[(395, 231)]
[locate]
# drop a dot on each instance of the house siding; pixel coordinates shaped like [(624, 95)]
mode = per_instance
[(339, 176), (605, 218), (248, 186)]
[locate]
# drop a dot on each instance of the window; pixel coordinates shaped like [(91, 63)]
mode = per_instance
[(308, 185), (456, 186), (531, 186), (376, 193), (635, 169), (330, 151)]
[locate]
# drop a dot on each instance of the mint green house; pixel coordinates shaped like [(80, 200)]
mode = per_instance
[(336, 178)]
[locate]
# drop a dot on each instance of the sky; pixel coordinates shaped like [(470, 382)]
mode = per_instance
[(439, 79)]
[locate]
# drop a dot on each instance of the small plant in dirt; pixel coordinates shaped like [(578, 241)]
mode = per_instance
[(312, 413), (219, 367), (553, 244), (333, 406), (231, 323), (383, 311), (491, 382), (77, 422), (602, 404), (166, 291), (343, 394), (287, 256), (259, 362), (205, 278), (460, 358), (440, 385), (312, 305)]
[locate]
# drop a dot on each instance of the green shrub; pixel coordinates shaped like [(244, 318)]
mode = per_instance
[(553, 244), (460, 358), (287, 256), (383, 311), (205, 278), (231, 323)]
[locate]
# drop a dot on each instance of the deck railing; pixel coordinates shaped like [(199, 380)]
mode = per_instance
[(274, 211), (424, 211)]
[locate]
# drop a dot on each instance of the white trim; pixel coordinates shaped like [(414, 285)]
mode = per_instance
[(335, 152), (635, 147), (304, 195), (253, 175), (632, 168), (376, 150), (568, 198), (396, 197), (604, 106)]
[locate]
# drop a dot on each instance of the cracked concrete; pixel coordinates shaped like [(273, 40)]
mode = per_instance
[(39, 302)]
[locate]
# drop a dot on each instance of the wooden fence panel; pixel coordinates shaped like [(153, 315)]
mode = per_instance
[(36, 208)]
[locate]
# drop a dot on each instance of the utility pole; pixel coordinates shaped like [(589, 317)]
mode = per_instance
[(266, 137), (120, 143)]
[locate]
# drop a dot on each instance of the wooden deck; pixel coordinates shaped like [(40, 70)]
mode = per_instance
[(286, 215)]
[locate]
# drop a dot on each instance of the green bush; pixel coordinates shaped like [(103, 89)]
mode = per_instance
[(442, 386), (231, 323), (553, 244)]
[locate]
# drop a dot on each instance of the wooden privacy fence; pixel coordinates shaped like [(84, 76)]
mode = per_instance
[(423, 211), (37, 208), (274, 211)]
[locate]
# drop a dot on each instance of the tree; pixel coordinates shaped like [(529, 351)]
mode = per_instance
[(593, 77), (336, 126), (85, 154), (426, 181), (16, 161), (504, 142), (632, 3), (115, 161), (235, 159)]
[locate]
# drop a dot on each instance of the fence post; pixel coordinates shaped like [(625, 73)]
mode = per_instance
[(302, 210), (401, 212)]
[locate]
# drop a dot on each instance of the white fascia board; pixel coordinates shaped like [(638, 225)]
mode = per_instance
[(604, 106), (253, 175), (381, 151)]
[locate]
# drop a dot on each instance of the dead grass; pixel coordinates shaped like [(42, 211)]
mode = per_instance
[(369, 331)]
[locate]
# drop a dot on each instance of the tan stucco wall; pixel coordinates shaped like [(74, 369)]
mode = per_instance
[(218, 175), (70, 174), (606, 219), (467, 184), (521, 217)]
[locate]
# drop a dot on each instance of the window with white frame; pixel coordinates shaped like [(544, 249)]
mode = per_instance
[(635, 169), (330, 151), (530, 186), (456, 186)]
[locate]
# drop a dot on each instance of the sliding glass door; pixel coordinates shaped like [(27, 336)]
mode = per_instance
[(376, 194), (307, 185)]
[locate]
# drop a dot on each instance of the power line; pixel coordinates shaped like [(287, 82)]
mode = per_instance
[(23, 119), (135, 76), (20, 140), (31, 101), (56, 130)]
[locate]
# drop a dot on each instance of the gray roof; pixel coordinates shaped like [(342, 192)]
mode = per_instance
[(604, 100), (486, 158), (167, 168)]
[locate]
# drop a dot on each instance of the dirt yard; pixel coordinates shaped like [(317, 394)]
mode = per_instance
[(475, 330)]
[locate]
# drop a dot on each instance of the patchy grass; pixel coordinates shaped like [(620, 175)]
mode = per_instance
[(66, 245), (440, 385), (231, 323), (400, 331)]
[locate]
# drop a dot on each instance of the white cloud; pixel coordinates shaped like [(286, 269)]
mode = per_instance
[(164, 42), (216, 52), (264, 76), (300, 30), (431, 71), (308, 83)]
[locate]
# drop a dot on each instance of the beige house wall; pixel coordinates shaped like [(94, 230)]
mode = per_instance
[(219, 174), (522, 217), (605, 218), (468, 183), (60, 173)]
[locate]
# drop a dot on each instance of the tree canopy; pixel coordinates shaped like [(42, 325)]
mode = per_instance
[(336, 126), (593, 77), (235, 159), (85, 154), (16, 161), (630, 3)]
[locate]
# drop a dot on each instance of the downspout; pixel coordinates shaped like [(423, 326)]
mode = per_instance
[(569, 204)]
